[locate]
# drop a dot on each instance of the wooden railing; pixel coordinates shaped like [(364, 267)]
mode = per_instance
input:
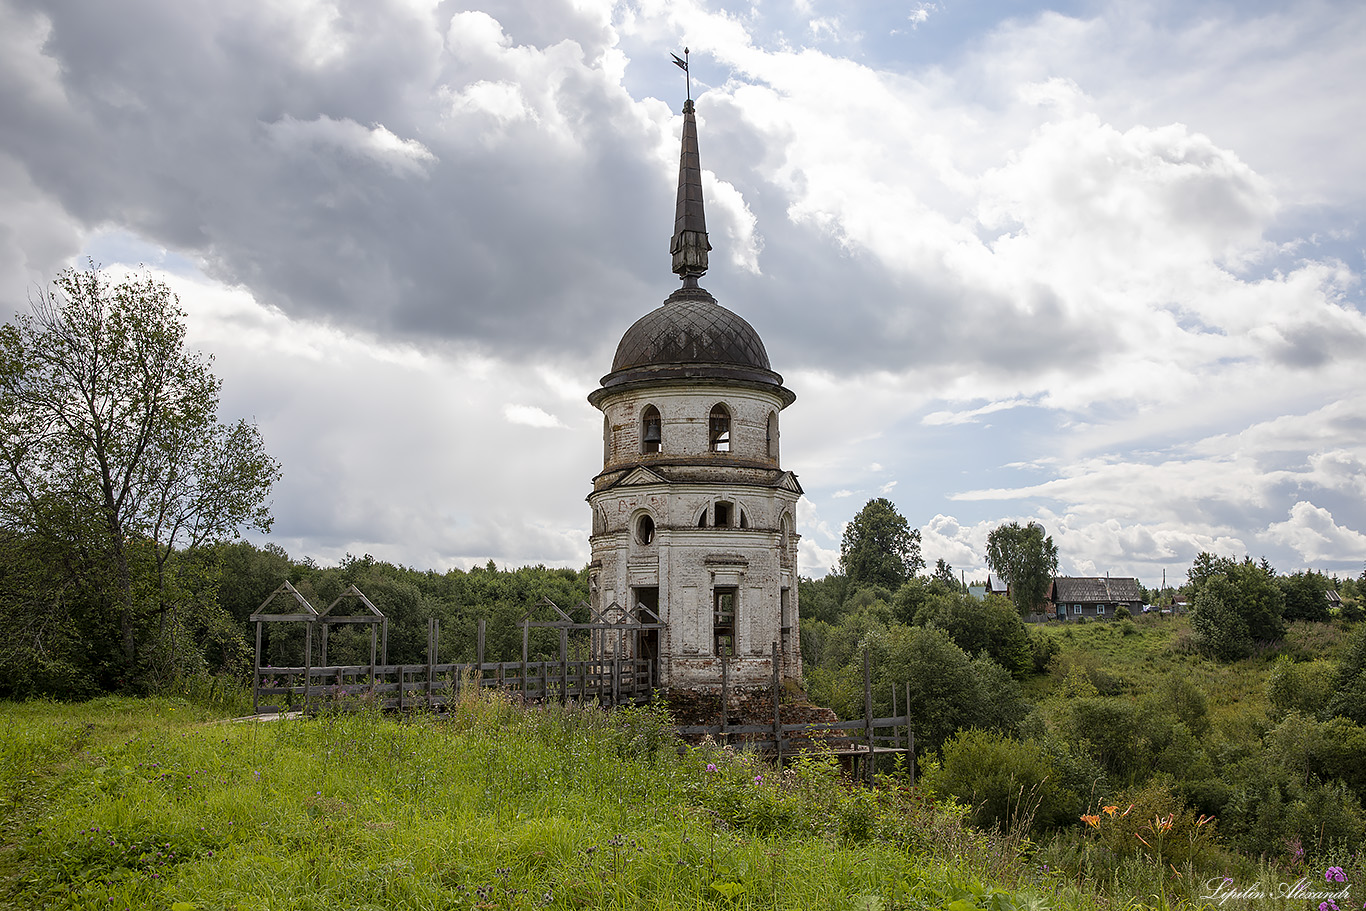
[(412, 686)]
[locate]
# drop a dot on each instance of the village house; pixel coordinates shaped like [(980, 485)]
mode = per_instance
[(1095, 597)]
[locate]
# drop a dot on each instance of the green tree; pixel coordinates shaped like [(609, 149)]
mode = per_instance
[(991, 626), (943, 574), (1026, 559), (949, 691), (1349, 692), (1234, 605), (1305, 597), (110, 445), (879, 547)]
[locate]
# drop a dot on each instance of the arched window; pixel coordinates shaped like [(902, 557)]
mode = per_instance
[(722, 513), (645, 529), (718, 429), (651, 430), (773, 434)]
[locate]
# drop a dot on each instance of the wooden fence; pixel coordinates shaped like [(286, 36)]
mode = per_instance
[(608, 681), (432, 686)]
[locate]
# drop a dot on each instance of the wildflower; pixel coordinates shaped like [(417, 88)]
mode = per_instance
[(711, 767), (1329, 905), (1110, 811), (1092, 820), (758, 779), (1335, 875)]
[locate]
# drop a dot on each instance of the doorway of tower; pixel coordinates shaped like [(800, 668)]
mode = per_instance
[(645, 603)]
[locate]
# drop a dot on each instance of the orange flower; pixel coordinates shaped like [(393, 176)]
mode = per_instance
[(1091, 820), (1110, 811)]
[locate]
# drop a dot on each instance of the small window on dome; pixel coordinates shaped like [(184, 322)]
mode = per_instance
[(718, 429), (744, 519), (773, 434), (645, 530), (721, 513)]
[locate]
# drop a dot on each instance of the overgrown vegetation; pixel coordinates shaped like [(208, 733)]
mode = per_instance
[(150, 804)]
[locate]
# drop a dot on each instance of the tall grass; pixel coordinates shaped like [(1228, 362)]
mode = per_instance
[(155, 804)]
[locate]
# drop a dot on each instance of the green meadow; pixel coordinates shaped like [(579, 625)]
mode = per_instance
[(156, 803)]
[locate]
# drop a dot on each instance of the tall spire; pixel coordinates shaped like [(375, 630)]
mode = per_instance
[(689, 245)]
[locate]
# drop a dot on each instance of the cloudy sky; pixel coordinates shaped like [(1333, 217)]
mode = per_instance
[(1096, 264)]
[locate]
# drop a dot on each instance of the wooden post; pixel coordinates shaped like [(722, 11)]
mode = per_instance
[(896, 736), (526, 645), (777, 708), (323, 661), (384, 642), (616, 681), (431, 657), (374, 642), (564, 664), (308, 658), (479, 653), (868, 712), (910, 736), (256, 677), (725, 693)]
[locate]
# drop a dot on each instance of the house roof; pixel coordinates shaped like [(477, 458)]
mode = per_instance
[(996, 584), (1095, 589)]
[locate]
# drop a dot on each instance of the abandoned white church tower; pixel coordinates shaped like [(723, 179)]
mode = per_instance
[(694, 518)]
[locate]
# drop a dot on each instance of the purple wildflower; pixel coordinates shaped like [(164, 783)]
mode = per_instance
[(1335, 875), (711, 767)]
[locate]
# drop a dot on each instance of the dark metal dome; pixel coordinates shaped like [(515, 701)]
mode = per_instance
[(691, 328)]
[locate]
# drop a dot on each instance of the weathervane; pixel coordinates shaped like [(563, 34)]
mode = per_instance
[(682, 63)]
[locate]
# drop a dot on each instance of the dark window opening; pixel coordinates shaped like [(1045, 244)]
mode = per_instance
[(651, 430), (772, 438), (646, 609), (721, 515), (744, 519), (702, 520), (645, 530), (719, 429), (723, 620)]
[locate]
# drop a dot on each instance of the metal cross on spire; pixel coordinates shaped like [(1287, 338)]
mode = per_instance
[(682, 63)]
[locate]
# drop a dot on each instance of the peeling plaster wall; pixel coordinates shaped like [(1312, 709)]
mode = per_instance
[(686, 562)]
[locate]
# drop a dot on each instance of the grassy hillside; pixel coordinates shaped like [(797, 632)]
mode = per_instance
[(121, 803), (160, 803)]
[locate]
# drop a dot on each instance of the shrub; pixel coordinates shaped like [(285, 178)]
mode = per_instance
[(1045, 649), (1008, 784), (1305, 688), (1123, 613)]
